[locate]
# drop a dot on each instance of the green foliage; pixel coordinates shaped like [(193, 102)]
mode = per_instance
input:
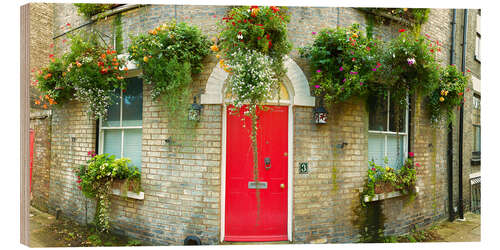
[(408, 67), (95, 240), (342, 60), (90, 9), (52, 83), (418, 16), (402, 180), (118, 33), (168, 55), (134, 243), (96, 178), (448, 95), (262, 29), (89, 72)]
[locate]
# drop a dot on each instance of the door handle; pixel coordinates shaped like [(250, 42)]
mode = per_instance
[(282, 185), (267, 161)]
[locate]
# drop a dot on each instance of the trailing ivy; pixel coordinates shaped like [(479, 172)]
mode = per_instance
[(118, 33), (95, 180), (168, 55)]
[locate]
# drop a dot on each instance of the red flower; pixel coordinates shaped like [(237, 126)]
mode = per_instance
[(402, 30), (258, 38), (78, 181), (368, 48), (270, 44), (233, 23), (373, 169), (51, 55), (417, 164), (468, 70), (108, 52), (68, 24), (275, 9), (51, 45), (268, 37), (80, 187), (411, 154), (461, 93), (254, 7)]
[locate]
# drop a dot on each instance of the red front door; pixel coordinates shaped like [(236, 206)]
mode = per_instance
[(242, 222)]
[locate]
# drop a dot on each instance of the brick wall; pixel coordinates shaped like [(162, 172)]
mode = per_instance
[(182, 182), (41, 23), (40, 123)]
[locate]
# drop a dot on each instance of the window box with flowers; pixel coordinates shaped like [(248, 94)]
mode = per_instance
[(385, 182)]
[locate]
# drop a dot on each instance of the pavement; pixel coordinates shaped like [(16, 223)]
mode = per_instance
[(468, 230)]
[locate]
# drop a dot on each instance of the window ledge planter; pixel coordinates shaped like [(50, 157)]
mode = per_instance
[(130, 194), (383, 196)]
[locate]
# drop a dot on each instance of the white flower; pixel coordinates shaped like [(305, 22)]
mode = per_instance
[(411, 61), (240, 36)]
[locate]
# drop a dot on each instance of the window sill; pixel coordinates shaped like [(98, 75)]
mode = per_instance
[(132, 195), (384, 196)]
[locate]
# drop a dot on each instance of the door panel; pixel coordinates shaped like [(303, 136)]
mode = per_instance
[(242, 221)]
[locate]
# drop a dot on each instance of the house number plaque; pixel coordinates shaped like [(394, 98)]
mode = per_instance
[(303, 168)]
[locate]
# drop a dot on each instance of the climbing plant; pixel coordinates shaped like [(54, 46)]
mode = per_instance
[(95, 180), (253, 42)]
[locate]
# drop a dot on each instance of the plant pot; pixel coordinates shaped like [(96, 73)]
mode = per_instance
[(383, 187)]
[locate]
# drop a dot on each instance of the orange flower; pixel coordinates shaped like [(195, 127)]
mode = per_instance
[(125, 68), (145, 59), (47, 76), (114, 59), (119, 77), (115, 68), (214, 48), (108, 52), (103, 56), (45, 106), (78, 64), (37, 102)]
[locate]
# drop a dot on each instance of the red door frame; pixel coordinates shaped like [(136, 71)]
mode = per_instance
[(239, 224)]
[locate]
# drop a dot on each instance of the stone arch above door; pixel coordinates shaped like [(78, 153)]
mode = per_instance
[(300, 93)]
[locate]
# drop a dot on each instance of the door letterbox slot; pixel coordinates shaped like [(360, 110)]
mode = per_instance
[(253, 185)]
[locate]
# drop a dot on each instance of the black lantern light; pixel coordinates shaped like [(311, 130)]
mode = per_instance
[(320, 114), (195, 111)]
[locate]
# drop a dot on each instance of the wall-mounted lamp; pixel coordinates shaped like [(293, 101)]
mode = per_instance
[(320, 115), (195, 111)]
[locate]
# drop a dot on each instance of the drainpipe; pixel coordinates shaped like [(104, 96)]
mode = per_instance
[(461, 129), (450, 127)]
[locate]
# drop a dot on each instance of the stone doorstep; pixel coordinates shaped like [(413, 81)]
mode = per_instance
[(255, 243), (384, 196)]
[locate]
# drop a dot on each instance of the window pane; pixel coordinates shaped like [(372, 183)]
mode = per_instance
[(477, 139), (395, 151), (376, 148), (377, 113), (132, 102), (393, 123), (113, 142), (113, 118), (132, 146)]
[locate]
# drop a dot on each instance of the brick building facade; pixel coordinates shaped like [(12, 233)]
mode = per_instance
[(184, 183)]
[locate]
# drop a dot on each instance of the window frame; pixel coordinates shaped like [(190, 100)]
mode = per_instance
[(102, 129), (477, 49), (391, 133)]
